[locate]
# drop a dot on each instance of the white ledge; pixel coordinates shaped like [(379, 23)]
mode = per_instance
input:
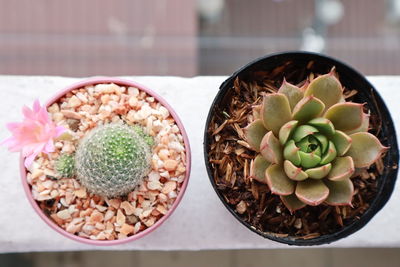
[(200, 221)]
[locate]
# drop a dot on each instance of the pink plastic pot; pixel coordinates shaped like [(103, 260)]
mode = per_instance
[(122, 82)]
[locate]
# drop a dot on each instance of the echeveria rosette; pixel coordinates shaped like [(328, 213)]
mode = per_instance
[(310, 141)]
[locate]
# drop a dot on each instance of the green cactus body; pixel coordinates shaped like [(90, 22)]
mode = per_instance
[(112, 160), (310, 141), (65, 166)]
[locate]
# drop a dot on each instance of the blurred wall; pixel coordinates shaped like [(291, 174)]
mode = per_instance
[(98, 37), (365, 36)]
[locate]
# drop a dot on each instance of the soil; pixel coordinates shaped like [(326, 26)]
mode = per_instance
[(229, 156)]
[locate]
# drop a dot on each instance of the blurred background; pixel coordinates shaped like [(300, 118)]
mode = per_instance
[(191, 37), (188, 38)]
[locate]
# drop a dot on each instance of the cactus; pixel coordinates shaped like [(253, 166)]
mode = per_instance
[(112, 159), (147, 138), (310, 141), (65, 166)]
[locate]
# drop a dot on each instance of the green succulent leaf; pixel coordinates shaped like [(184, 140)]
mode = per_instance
[(323, 125), (304, 144), (340, 192), (323, 141), (319, 172), (303, 131), (275, 112), (291, 153), (307, 109), (330, 154), (292, 203), (258, 167), (363, 127), (254, 133), (293, 93), (293, 172), (342, 142), (365, 149), (271, 149), (312, 192), (342, 168), (286, 131), (309, 160), (326, 88), (345, 116), (278, 182)]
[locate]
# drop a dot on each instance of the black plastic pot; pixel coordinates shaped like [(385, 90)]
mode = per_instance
[(350, 78)]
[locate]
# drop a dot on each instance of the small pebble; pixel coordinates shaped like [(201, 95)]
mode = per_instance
[(96, 216), (64, 214), (170, 164), (120, 218), (168, 187), (74, 102), (127, 207), (126, 229)]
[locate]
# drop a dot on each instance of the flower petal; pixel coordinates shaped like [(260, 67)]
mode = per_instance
[(340, 192), (28, 113), (312, 192), (29, 160), (275, 112), (345, 116), (271, 149), (257, 169), (307, 109), (293, 172), (319, 172), (59, 131), (43, 116), (342, 142), (49, 147), (278, 182), (326, 88), (286, 131), (292, 203), (36, 106), (11, 143), (365, 149), (293, 93), (13, 126), (254, 133), (342, 168)]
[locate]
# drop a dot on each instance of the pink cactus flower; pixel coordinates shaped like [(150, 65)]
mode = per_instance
[(34, 135)]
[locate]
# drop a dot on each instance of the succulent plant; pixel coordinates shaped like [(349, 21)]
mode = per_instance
[(65, 166), (147, 138), (112, 159), (310, 142)]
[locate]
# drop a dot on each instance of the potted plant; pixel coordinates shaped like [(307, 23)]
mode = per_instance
[(300, 148), (104, 162)]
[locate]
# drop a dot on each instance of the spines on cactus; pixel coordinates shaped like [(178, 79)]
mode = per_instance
[(113, 159), (310, 142), (65, 166), (147, 138)]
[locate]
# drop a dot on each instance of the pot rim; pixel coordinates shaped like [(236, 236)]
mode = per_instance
[(384, 191), (123, 82)]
